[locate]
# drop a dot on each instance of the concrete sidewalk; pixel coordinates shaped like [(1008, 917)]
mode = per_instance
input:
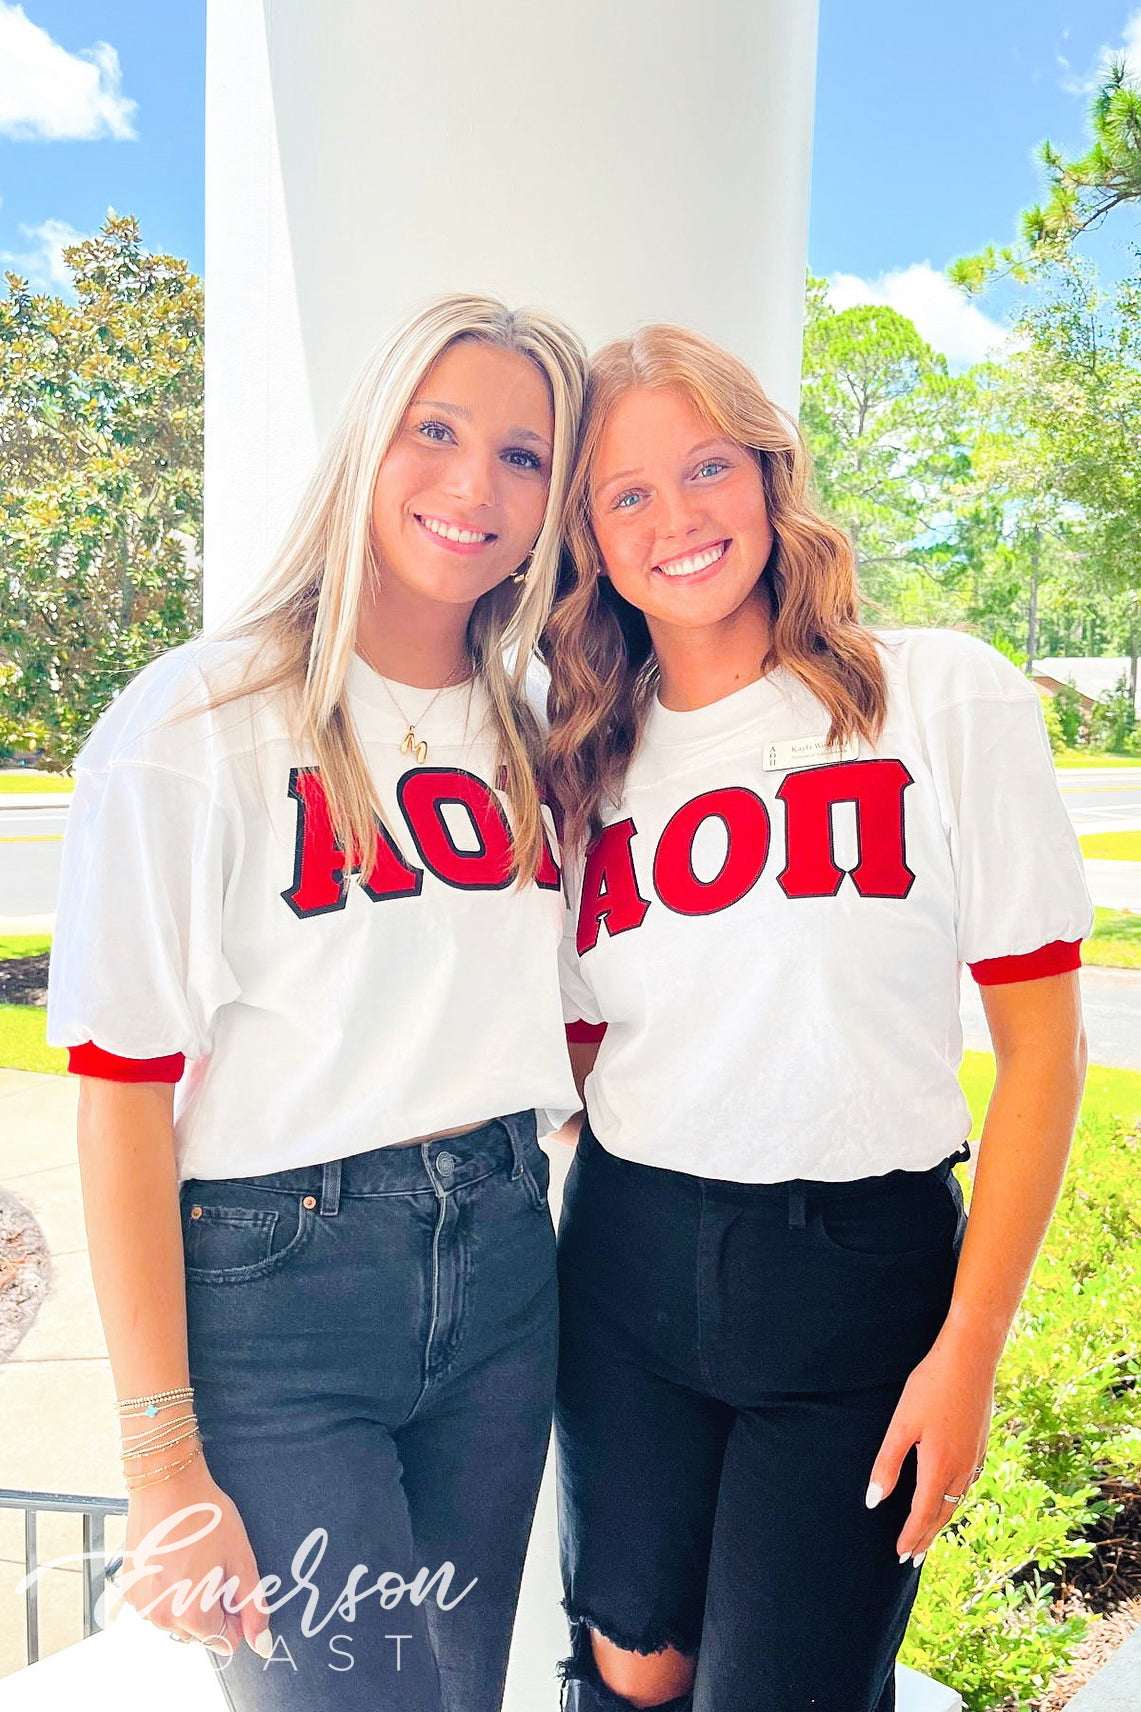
[(57, 1401)]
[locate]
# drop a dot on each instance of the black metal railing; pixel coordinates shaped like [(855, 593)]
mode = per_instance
[(95, 1565)]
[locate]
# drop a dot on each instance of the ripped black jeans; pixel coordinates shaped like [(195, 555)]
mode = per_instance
[(730, 1357)]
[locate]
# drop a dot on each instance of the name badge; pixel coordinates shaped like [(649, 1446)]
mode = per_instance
[(807, 752)]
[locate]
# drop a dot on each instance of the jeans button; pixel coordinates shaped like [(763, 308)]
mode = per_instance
[(445, 1164)]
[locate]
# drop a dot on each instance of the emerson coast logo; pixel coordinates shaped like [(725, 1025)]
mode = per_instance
[(322, 1610)]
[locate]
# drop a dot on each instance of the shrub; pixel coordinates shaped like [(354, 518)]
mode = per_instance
[(1066, 1419), (1068, 707), (1053, 725), (1112, 721)]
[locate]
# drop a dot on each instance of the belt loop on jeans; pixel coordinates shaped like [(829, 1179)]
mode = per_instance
[(796, 1206), (519, 1125), (330, 1188)]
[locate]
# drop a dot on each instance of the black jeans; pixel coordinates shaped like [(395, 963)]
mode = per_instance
[(372, 1349), (731, 1355)]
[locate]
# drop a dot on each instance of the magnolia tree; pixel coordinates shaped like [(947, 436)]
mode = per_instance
[(100, 484)]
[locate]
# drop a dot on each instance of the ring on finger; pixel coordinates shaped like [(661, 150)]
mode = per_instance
[(206, 1639), (953, 1497)]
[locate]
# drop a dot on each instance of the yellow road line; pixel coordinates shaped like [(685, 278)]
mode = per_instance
[(39, 838), (1094, 790)]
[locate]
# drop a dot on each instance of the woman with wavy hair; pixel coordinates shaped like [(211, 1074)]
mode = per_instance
[(788, 832), (306, 964)]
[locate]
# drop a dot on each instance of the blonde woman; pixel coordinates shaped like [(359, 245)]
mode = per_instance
[(776, 1367), (306, 965)]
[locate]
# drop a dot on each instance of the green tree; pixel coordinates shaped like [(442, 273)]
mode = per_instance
[(883, 419), (100, 484), (1083, 349), (1080, 192)]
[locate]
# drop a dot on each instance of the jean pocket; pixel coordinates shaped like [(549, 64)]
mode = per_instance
[(224, 1242), (915, 1220)]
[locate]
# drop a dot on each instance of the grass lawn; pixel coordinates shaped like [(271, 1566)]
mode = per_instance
[(24, 944), (1112, 846), (39, 784), (1115, 942), (1093, 758), (22, 1044), (1109, 1093)]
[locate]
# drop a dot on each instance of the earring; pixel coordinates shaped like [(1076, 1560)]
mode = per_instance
[(520, 575)]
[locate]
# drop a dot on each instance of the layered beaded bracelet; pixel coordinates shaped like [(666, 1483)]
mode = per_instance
[(167, 1435)]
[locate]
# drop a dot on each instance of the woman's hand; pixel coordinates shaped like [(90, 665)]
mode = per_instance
[(176, 1566), (944, 1413)]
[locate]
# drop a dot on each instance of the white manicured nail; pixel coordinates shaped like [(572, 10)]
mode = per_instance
[(905, 1557), (873, 1496), (263, 1644), (918, 1559)]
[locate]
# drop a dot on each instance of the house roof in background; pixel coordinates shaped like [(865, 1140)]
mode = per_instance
[(1092, 676)]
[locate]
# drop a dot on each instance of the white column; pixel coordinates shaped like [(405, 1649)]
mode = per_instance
[(616, 161)]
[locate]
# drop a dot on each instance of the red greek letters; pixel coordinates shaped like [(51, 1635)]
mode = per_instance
[(876, 788), (746, 822), (320, 869), (610, 887), (457, 825), (611, 897)]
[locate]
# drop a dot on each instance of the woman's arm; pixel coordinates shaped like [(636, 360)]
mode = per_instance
[(1040, 1050), (582, 1056), (130, 1200)]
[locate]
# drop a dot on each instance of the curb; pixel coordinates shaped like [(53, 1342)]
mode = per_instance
[(1117, 1685), (35, 799)]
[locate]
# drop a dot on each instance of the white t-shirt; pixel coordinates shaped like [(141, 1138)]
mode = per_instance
[(205, 911), (773, 936)]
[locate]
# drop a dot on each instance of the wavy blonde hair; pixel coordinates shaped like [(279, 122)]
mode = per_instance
[(307, 606), (598, 647)]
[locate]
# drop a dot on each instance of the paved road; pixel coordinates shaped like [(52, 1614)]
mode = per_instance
[(1103, 800), (30, 848)]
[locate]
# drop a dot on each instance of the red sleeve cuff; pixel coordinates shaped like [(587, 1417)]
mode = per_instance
[(585, 1033), (1057, 958), (91, 1060)]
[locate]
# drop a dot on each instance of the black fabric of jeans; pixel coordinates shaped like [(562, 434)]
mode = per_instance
[(730, 1357), (372, 1348)]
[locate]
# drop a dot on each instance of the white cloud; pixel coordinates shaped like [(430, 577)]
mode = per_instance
[(43, 265), (945, 318), (53, 95), (1128, 48)]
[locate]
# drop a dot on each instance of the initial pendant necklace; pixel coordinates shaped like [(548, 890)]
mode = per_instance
[(410, 744)]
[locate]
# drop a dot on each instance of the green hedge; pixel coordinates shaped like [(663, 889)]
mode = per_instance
[(1066, 1418)]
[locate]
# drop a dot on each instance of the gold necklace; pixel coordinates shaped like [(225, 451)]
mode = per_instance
[(410, 744)]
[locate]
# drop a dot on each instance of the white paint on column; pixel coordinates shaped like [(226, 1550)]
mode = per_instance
[(261, 437), (616, 163)]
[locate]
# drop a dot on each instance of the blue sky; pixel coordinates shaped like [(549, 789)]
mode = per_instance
[(925, 129)]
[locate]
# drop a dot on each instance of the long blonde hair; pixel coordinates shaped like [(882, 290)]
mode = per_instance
[(307, 606), (598, 648)]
